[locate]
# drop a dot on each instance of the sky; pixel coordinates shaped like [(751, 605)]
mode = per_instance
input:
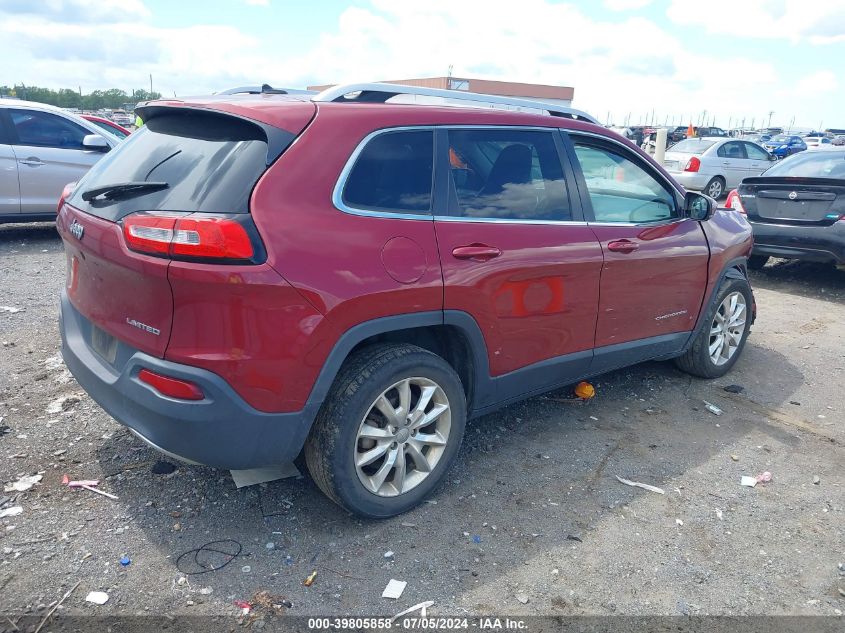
[(733, 59)]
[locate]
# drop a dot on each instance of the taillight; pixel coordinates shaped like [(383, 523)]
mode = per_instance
[(693, 164), (191, 236), (66, 192), (735, 202), (172, 387)]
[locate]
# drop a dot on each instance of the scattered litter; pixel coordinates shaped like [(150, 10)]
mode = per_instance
[(204, 556), (55, 606), (394, 589), (735, 458), (97, 597), (11, 512), (816, 480), (206, 591), (270, 545), (748, 481), (712, 408), (585, 390), (592, 417), (679, 522), (244, 606), (310, 580), (99, 492), (162, 467), (409, 525), (572, 537), (521, 597), (389, 554), (476, 538), (246, 569), (637, 484), (23, 484), (10, 309), (79, 484), (253, 476), (764, 478), (125, 561), (718, 514), (421, 607), (734, 388)]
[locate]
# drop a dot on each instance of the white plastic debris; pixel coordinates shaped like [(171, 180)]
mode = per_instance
[(718, 514), (23, 484), (637, 484), (679, 522), (394, 589), (748, 481), (11, 512), (97, 597), (712, 408), (421, 607), (10, 309)]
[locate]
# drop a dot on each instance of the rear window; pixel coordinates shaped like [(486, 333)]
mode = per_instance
[(692, 146), (210, 163), (811, 165)]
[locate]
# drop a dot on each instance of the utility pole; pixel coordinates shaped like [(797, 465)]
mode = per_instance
[(151, 85), (770, 117)]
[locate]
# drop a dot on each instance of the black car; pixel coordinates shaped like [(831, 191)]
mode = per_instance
[(796, 208)]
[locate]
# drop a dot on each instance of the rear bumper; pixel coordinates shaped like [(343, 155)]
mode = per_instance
[(695, 181), (810, 243), (221, 430)]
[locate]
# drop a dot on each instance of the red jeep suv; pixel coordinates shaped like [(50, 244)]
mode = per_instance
[(253, 276)]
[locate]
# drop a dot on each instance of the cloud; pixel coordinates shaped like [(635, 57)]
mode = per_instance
[(626, 5), (818, 83), (77, 11), (818, 22), (257, 3)]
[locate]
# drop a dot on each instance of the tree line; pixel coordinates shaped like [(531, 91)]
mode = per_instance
[(68, 98)]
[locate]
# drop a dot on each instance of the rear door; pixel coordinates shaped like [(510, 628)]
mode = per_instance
[(10, 192), (50, 155), (655, 261), (732, 162), (516, 253)]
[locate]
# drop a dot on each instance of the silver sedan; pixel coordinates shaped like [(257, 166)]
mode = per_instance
[(715, 165)]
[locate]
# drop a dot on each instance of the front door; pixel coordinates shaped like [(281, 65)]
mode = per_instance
[(517, 255), (655, 262), (50, 155)]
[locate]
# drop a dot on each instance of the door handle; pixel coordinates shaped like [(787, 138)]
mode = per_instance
[(622, 246), (476, 252), (724, 162), (32, 161)]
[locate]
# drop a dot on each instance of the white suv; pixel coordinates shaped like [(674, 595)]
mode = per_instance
[(42, 148)]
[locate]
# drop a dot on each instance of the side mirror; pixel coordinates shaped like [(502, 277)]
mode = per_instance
[(95, 143), (699, 207)]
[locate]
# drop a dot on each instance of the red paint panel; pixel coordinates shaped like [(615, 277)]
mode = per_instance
[(534, 301), (248, 325), (654, 289), (110, 285), (729, 236)]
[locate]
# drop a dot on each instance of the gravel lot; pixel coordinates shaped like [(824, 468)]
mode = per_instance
[(531, 521)]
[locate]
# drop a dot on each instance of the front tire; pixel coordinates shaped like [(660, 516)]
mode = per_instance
[(722, 337), (388, 431)]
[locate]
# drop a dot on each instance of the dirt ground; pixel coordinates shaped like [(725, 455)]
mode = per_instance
[(532, 520)]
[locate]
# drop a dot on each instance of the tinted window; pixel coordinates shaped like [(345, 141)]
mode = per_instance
[(828, 164), (734, 149), (620, 189), (692, 146), (43, 129), (755, 152), (393, 173), (111, 130), (210, 163), (510, 174)]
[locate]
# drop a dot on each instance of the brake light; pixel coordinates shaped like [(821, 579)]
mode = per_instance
[(693, 164), (172, 387), (66, 192), (194, 236), (735, 202)]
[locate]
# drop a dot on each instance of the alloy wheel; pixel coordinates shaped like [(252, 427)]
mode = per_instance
[(715, 189), (727, 328), (402, 437)]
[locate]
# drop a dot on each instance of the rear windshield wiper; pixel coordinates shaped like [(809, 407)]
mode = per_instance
[(122, 189)]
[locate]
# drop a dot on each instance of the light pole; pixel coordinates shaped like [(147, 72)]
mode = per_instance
[(770, 117)]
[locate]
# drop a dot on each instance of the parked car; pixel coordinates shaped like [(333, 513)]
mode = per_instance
[(759, 139), (678, 134), (121, 117), (817, 142), (42, 148), (797, 208), (715, 165), (704, 131), (363, 291), (109, 126), (783, 145)]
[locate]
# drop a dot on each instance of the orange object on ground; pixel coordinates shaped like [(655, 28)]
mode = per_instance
[(690, 131), (585, 390)]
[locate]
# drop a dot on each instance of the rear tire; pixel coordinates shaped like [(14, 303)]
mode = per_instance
[(378, 406), (706, 358), (715, 188), (756, 262)]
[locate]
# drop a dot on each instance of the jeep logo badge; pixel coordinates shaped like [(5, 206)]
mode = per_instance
[(77, 229), (793, 195)]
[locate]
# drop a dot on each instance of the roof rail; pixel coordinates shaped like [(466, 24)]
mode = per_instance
[(381, 92)]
